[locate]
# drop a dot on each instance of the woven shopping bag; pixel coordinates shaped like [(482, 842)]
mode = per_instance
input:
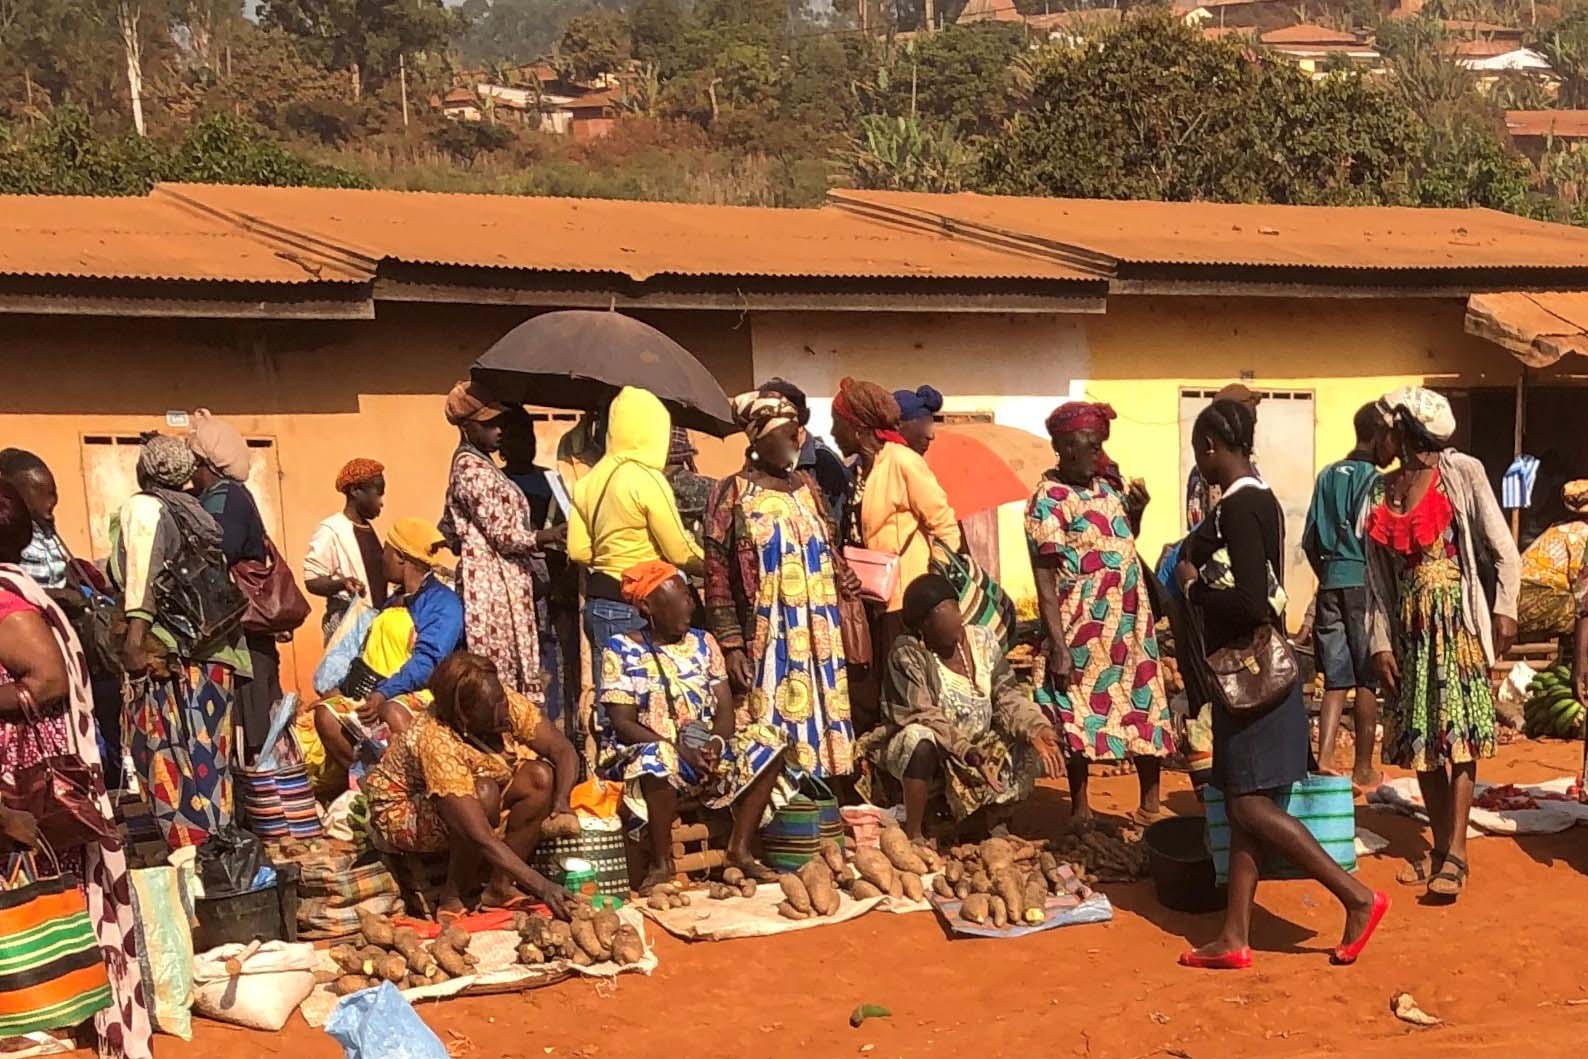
[(52, 973)]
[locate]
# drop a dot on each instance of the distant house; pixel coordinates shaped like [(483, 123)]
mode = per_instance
[(460, 104), (1073, 25), (1533, 131), (1314, 47), (989, 11), (1490, 60), (592, 116)]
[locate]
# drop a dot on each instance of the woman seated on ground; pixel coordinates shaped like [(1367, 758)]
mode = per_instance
[(415, 630), (958, 721), (477, 776), (667, 729)]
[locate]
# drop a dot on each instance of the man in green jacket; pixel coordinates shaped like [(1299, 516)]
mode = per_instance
[(1334, 546)]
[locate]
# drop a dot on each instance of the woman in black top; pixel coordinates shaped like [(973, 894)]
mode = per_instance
[(1254, 756)]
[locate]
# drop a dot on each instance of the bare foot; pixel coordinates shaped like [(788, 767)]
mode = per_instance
[(662, 873), (1222, 945), (1145, 816), (752, 868), (1368, 779)]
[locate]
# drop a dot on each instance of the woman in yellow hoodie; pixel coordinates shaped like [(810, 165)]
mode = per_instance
[(624, 514)]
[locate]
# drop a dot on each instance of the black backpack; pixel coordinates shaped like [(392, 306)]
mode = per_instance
[(198, 603)]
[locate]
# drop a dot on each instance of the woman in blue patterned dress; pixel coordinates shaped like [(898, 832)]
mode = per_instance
[(772, 583), (667, 727)]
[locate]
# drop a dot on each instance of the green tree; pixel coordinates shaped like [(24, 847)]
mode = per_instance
[(658, 29), (222, 149), (365, 37), (1566, 48), (593, 44), (959, 77), (895, 153)]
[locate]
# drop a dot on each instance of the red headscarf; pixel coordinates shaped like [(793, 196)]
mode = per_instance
[(640, 580), (868, 406), (358, 472), (1088, 415)]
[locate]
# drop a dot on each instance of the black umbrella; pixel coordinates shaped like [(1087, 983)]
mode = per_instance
[(579, 358)]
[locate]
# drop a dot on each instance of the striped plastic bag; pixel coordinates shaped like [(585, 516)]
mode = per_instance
[(982, 600), (1326, 807), (52, 973)]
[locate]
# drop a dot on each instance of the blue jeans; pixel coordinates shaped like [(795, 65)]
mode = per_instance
[(604, 619)]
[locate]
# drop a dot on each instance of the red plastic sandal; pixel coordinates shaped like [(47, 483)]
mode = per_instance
[(1347, 954), (1234, 960)]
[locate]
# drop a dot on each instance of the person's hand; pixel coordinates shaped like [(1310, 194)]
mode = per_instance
[(20, 827), (988, 770), (562, 823), (1389, 673), (552, 536), (1304, 637), (695, 759), (848, 580), (555, 897), (1058, 664), (1504, 635), (1046, 743), (741, 674), (1136, 496), (134, 659), (369, 709), (352, 586), (1185, 575)]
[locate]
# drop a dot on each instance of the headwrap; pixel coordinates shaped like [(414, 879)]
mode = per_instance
[(1088, 415), (1081, 415), (1240, 395), (795, 395), (680, 449), (358, 472), (758, 413), (922, 597), (218, 444), (166, 461), (1423, 410), (923, 402), (641, 580), (416, 539), (869, 407), (1575, 496), (469, 402)]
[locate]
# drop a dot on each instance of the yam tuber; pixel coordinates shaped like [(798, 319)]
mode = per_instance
[(996, 855), (530, 955), (896, 847), (962, 889), (580, 958), (719, 891), (659, 902), (326, 977), (348, 959), (732, 876), (981, 883), (393, 968), (350, 983), (406, 941), (954, 871), (448, 956), (929, 857), (747, 888), (377, 929), (1011, 887), (606, 927), (1036, 899), (896, 885), (795, 892), (974, 910), (913, 889), (584, 936), (680, 900), (627, 946), (822, 888), (940, 886), (863, 890), (997, 911), (561, 936), (788, 911), (833, 856), (875, 868)]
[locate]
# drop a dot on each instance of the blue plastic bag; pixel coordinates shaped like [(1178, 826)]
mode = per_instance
[(380, 1024)]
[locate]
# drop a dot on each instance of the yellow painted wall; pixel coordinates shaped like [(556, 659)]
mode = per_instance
[(1348, 352)]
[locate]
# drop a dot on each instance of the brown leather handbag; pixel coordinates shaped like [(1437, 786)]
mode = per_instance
[(1255, 673), (854, 625), (276, 606), (59, 790)]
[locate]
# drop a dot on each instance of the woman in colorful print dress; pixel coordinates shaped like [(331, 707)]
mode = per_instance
[(667, 729), (1102, 689), (772, 583), (1431, 632)]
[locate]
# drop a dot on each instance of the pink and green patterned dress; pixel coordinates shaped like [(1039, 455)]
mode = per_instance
[(1115, 706)]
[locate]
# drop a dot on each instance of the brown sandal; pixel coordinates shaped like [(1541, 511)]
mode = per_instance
[(1450, 879), (1422, 872)]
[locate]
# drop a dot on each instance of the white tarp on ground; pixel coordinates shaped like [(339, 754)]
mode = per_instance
[(757, 917), (1551, 817), (499, 970)]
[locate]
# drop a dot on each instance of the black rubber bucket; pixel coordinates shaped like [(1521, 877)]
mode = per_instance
[(270, 914), (1181, 866)]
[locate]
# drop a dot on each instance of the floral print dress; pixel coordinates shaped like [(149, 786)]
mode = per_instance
[(1115, 705), (1445, 710), (772, 591)]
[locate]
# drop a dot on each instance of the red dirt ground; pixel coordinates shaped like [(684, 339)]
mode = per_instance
[(1505, 968)]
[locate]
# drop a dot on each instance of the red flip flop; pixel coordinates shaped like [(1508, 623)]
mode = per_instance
[(1234, 960), (1347, 954)]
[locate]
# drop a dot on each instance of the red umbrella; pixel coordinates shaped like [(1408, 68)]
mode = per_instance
[(973, 475)]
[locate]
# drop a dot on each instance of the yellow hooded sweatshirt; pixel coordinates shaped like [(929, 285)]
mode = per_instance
[(623, 512)]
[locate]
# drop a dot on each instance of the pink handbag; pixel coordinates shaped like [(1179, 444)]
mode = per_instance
[(878, 572)]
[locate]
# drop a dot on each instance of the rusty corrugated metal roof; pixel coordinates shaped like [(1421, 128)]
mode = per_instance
[(1307, 33), (1540, 328), (1218, 234), (637, 239), (144, 239), (1562, 124)]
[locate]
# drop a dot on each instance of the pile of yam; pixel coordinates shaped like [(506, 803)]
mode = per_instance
[(895, 869), (1107, 853), (590, 937), (1001, 882), (384, 952)]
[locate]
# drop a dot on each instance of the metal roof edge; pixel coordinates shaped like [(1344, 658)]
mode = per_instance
[(288, 243), (1102, 266)]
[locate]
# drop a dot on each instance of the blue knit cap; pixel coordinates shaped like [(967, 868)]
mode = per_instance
[(920, 403)]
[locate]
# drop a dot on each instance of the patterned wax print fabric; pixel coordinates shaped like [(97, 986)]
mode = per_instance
[(672, 685), (772, 590), (1115, 704), (1551, 566), (1445, 711), (181, 729)]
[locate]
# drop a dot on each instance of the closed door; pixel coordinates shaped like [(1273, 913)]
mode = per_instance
[(1286, 427)]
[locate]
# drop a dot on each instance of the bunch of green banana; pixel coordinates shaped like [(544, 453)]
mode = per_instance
[(1552, 707)]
